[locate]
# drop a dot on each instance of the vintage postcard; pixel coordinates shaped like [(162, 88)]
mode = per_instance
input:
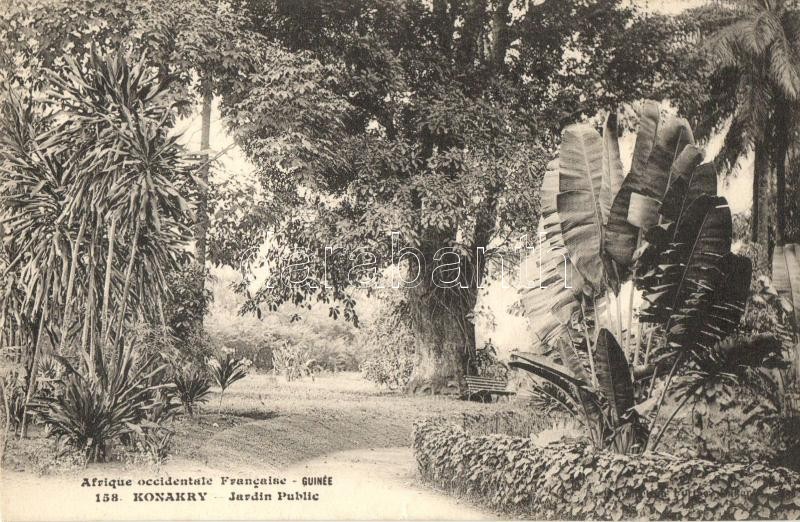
[(399, 260)]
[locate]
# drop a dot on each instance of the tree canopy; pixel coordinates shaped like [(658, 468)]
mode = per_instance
[(432, 120)]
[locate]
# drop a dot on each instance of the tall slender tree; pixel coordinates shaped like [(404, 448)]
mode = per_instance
[(762, 44)]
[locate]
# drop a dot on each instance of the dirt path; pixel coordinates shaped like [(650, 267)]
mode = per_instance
[(383, 484), (339, 427), (366, 484)]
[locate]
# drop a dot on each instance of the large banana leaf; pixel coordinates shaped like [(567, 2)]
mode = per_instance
[(613, 376), (588, 399), (712, 311), (613, 175), (685, 188), (582, 400), (578, 200), (786, 275), (549, 305), (689, 158), (551, 372), (700, 240), (545, 367), (657, 147)]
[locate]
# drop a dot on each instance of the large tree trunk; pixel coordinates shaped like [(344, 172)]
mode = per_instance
[(440, 311), (440, 316), (780, 194), (501, 18), (444, 338), (787, 192)]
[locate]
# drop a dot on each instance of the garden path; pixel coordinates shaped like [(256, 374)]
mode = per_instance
[(376, 483)]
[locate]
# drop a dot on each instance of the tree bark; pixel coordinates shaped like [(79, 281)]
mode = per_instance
[(791, 207), (201, 228), (444, 339), (787, 192), (123, 305), (444, 25), (780, 193), (106, 327), (97, 364), (33, 373), (501, 17), (440, 318), (73, 266), (761, 197)]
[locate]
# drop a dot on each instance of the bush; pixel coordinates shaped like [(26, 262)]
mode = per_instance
[(574, 481), (192, 387), (514, 423), (388, 342), (389, 365), (291, 362), (226, 371), (92, 412), (729, 437)]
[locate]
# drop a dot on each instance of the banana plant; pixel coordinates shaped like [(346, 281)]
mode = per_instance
[(662, 230), (607, 409), (597, 215)]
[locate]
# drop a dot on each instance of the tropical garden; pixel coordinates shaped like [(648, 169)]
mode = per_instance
[(592, 204)]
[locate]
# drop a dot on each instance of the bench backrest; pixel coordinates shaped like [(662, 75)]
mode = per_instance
[(485, 383)]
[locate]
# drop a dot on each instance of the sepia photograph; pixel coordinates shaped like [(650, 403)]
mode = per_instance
[(399, 260)]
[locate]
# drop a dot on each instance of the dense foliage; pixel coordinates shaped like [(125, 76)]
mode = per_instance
[(426, 119), (387, 341), (571, 481), (93, 414), (661, 229), (95, 211), (315, 335), (70, 115)]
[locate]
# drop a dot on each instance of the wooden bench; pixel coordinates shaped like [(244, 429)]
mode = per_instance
[(484, 387)]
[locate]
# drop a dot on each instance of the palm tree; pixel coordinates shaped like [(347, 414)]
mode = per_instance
[(762, 44)]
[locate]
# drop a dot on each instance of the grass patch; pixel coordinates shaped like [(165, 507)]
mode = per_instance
[(266, 421)]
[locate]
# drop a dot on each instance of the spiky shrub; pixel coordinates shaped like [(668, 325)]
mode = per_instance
[(153, 440), (102, 194), (152, 435), (95, 411), (191, 386), (227, 371)]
